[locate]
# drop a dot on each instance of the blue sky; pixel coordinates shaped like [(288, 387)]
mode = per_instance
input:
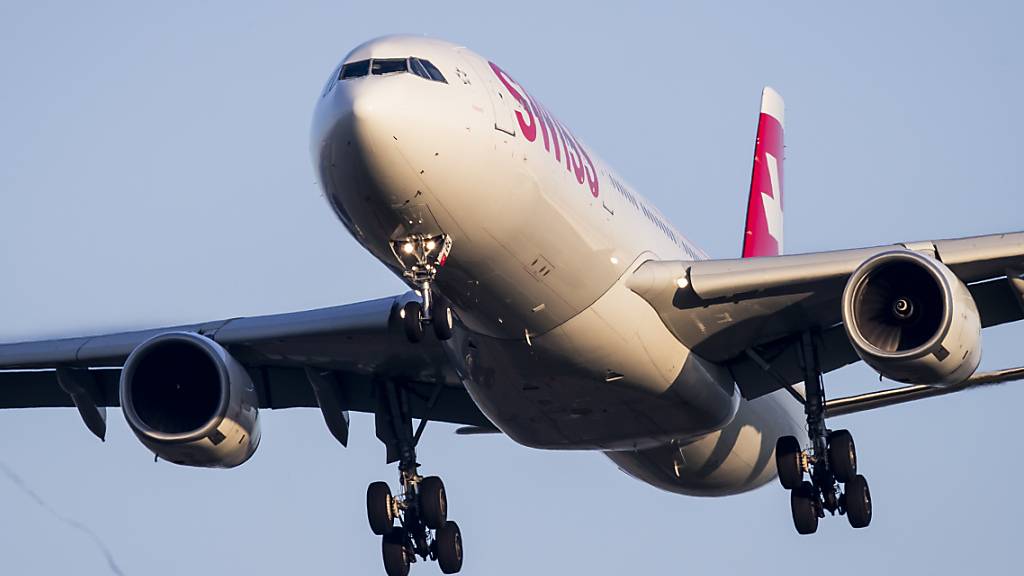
[(154, 168)]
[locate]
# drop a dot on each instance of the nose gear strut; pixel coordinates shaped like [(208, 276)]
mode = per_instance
[(830, 461), (421, 257)]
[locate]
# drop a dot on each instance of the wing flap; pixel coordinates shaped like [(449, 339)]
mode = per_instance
[(40, 389)]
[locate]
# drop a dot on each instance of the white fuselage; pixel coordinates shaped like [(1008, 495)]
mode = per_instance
[(555, 350)]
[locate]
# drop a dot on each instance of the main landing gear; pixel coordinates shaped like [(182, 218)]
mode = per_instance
[(421, 256), (413, 523), (830, 461)]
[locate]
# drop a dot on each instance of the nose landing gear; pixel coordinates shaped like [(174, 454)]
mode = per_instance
[(420, 510), (422, 256), (830, 461)]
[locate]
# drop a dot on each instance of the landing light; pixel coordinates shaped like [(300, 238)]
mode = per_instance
[(682, 282), (430, 245), (408, 248)]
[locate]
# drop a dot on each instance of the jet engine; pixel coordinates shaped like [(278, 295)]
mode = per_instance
[(190, 402), (910, 318)]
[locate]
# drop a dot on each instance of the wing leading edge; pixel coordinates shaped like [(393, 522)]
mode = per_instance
[(749, 313), (352, 348)]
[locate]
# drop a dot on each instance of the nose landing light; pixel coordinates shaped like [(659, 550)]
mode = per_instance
[(419, 253), (421, 256)]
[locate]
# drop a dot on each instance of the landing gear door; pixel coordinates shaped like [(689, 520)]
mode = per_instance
[(417, 219)]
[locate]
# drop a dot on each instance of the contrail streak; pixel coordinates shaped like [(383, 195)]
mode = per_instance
[(17, 481)]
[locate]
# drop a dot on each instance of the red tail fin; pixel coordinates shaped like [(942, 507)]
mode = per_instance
[(763, 235)]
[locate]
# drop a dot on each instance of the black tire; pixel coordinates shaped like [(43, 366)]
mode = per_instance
[(411, 314), (448, 542), (803, 502), (396, 556), (379, 509), (433, 502), (443, 321), (842, 455), (787, 461), (858, 502)]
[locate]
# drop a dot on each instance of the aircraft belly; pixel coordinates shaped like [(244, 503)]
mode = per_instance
[(737, 458), (610, 378)]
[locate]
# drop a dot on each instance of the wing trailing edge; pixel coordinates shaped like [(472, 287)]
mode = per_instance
[(903, 394)]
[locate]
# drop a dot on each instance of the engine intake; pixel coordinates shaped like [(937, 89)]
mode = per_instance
[(910, 318), (190, 402)]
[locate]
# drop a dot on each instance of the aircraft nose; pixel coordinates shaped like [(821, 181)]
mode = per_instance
[(358, 112), (359, 130), (374, 110), (366, 104)]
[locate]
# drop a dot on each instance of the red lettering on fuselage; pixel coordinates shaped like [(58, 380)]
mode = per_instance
[(553, 132), (529, 129)]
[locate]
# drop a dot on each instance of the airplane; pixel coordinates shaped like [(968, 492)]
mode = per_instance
[(550, 302)]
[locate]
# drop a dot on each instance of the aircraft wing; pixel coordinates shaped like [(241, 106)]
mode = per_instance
[(353, 347), (750, 313)]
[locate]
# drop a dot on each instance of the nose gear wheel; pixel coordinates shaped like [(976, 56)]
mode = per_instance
[(421, 257)]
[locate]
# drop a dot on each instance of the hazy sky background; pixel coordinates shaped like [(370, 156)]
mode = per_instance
[(154, 168)]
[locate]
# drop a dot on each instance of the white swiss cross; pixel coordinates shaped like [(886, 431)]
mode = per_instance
[(773, 204)]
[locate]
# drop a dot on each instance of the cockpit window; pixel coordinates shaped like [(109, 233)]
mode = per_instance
[(355, 69), (416, 67), (432, 70), (381, 66), (331, 80)]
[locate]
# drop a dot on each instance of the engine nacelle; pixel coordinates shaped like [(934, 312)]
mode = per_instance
[(911, 319), (190, 402)]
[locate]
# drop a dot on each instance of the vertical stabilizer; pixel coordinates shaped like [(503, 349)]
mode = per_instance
[(763, 233)]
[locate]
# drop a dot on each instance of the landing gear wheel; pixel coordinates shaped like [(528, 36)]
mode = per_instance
[(420, 506), (442, 320), (448, 543), (433, 502), (396, 557), (788, 458), (804, 504), (842, 455), (830, 458), (411, 319), (858, 502), (379, 508)]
